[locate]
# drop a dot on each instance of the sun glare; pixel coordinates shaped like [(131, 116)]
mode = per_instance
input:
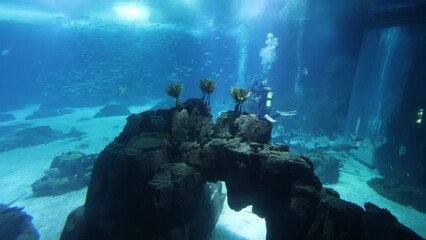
[(251, 9), (132, 13)]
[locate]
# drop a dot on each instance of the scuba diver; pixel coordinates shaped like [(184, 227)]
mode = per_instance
[(261, 103)]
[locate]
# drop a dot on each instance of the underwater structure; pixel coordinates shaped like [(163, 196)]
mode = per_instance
[(388, 98), (160, 179)]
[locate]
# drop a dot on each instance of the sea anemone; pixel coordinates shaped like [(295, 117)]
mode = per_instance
[(240, 95), (207, 87), (175, 91)]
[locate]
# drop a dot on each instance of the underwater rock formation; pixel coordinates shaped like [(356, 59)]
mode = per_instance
[(326, 166), (68, 172), (151, 182), (16, 224), (397, 191), (247, 127)]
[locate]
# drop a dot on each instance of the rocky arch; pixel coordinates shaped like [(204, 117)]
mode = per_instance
[(151, 182)]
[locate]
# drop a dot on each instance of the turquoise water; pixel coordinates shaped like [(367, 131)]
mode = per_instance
[(346, 81)]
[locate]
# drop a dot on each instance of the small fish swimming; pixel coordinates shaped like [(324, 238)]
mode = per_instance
[(287, 114), (5, 52), (120, 90), (305, 71)]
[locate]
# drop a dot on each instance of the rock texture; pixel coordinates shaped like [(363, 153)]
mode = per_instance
[(397, 191), (326, 166), (151, 182), (68, 172)]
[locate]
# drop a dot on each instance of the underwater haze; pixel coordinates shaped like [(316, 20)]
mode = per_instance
[(342, 82), (90, 48)]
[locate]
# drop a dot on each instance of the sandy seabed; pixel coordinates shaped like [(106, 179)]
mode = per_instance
[(19, 168)]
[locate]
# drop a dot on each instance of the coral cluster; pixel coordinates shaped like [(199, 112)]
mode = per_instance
[(240, 95), (175, 91), (207, 87)]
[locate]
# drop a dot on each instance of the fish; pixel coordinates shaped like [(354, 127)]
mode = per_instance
[(343, 147), (305, 71), (5, 52), (287, 114), (120, 90)]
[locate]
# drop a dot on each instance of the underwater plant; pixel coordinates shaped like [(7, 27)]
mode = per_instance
[(207, 87), (240, 95), (175, 91)]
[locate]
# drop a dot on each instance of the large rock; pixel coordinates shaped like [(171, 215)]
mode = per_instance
[(398, 191), (76, 226), (69, 171), (246, 126), (151, 182), (326, 166), (252, 129), (339, 219)]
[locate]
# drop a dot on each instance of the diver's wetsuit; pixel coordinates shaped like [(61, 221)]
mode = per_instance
[(260, 95)]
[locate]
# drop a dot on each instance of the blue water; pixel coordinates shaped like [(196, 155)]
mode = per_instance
[(321, 60), (76, 50)]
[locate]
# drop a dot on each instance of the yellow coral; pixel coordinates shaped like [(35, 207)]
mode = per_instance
[(239, 94), (207, 86), (175, 91)]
